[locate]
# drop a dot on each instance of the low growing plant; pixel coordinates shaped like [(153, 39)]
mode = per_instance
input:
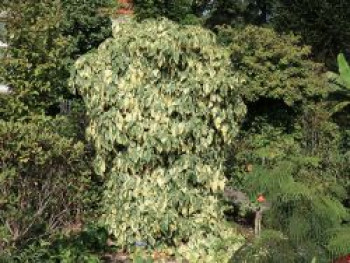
[(44, 180)]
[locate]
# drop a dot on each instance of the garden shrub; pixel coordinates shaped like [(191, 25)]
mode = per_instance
[(163, 106), (285, 92), (273, 65), (44, 179), (303, 174), (87, 246), (45, 37), (274, 247), (291, 146), (323, 24), (181, 11)]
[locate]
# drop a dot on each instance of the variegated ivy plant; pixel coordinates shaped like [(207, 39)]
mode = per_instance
[(163, 105)]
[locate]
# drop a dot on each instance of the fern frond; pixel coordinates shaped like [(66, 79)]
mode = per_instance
[(339, 244)]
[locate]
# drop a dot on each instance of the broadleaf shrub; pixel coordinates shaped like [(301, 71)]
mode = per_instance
[(45, 37), (274, 66), (163, 106), (44, 178), (273, 247), (87, 246)]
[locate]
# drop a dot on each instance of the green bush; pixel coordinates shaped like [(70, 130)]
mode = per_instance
[(45, 37), (87, 246), (323, 24), (273, 66), (303, 174), (44, 179), (163, 106), (181, 11), (274, 247)]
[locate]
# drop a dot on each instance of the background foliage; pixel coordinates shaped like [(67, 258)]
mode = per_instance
[(274, 66), (163, 112), (292, 147), (239, 13), (182, 11), (323, 24), (47, 184), (44, 38), (44, 179)]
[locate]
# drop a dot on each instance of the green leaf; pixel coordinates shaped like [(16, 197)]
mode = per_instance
[(344, 70)]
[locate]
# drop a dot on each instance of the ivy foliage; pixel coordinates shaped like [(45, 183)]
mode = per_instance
[(163, 105), (274, 66)]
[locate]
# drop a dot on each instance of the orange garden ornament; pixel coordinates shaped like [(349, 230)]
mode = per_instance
[(261, 198), (126, 7)]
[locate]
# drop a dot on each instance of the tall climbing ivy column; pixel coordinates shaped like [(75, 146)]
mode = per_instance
[(163, 105)]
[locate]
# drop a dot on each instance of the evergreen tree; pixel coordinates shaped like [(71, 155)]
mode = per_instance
[(84, 23), (44, 38), (210, 12), (323, 24), (274, 66), (234, 12), (182, 11)]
